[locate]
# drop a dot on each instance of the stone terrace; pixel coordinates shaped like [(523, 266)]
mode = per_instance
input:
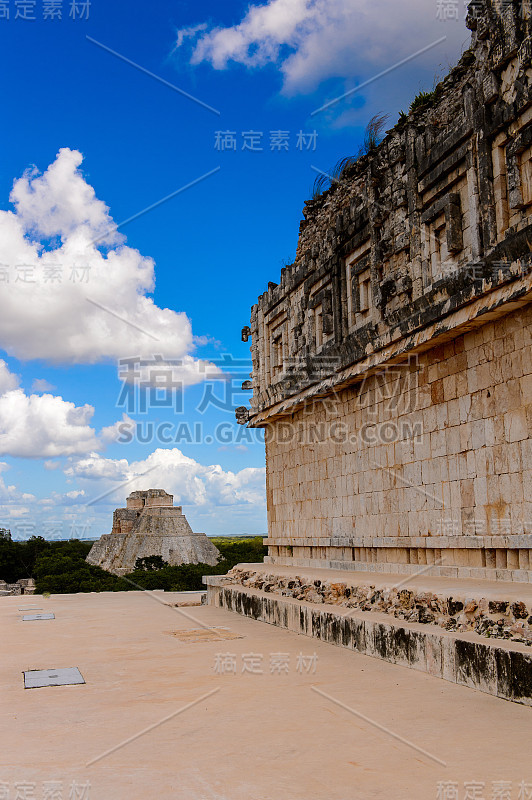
[(259, 737)]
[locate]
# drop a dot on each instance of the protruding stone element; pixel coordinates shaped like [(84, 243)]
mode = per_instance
[(242, 415), (150, 525)]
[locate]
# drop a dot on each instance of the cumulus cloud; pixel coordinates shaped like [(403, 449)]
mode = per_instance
[(190, 482), (76, 292), (95, 467), (313, 40), (12, 501), (60, 202), (42, 385), (59, 516), (18, 512), (112, 433), (46, 425), (8, 381), (37, 426), (216, 500), (168, 374)]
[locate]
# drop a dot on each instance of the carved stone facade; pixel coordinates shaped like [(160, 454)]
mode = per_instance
[(22, 586), (150, 525), (392, 365)]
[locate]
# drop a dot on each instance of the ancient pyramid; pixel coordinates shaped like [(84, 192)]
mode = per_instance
[(150, 526)]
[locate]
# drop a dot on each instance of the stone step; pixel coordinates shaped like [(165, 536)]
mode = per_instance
[(497, 667)]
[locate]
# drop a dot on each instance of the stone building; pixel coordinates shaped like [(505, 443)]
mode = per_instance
[(22, 586), (392, 364), (150, 525), (392, 373)]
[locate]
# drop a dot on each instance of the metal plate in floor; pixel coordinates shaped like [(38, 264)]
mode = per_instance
[(33, 617), (204, 634), (37, 678)]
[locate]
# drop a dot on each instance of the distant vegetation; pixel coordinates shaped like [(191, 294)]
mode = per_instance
[(372, 138), (60, 567)]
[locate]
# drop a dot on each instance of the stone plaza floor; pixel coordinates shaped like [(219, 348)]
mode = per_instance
[(197, 703)]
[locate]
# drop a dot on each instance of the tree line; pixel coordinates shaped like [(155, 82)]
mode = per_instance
[(61, 568)]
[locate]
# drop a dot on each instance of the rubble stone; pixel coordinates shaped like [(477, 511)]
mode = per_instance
[(449, 613)]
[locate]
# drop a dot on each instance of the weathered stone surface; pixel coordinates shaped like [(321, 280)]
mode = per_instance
[(392, 364), (22, 586), (150, 526), (496, 619), (503, 669)]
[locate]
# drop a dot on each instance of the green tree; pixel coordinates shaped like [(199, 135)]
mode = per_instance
[(149, 563)]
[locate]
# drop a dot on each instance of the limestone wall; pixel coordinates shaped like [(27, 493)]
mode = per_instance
[(437, 216), (149, 499), (22, 586), (391, 365), (124, 519), (430, 462)]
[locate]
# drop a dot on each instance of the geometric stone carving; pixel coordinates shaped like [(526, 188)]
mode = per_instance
[(450, 206)]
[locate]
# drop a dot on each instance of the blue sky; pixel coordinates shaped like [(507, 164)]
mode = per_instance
[(204, 255)]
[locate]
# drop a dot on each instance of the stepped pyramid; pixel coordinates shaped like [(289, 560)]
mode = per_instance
[(150, 525)]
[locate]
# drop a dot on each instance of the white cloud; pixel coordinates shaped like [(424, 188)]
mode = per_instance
[(37, 426), (113, 432), (11, 499), (60, 202), (8, 381), (69, 299), (190, 482), (42, 385), (75, 494), (95, 467), (215, 500), (168, 374), (20, 511), (313, 40), (26, 515), (45, 425)]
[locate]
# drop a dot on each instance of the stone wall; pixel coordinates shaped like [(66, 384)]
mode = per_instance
[(391, 365), (22, 586), (118, 553), (463, 610), (149, 499), (428, 464)]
